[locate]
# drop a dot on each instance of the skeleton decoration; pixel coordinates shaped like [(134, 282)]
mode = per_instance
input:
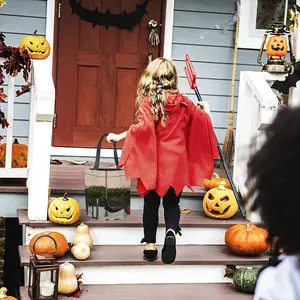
[(153, 38)]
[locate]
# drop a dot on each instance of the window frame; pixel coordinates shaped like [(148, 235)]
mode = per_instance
[(249, 36)]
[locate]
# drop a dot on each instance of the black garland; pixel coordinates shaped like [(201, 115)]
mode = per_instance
[(121, 21)]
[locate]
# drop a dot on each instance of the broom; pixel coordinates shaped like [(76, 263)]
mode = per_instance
[(228, 146)]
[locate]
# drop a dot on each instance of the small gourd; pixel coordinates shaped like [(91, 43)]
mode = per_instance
[(81, 251), (67, 281), (83, 235), (244, 279), (3, 295)]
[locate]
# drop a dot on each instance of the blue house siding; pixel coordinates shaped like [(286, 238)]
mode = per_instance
[(19, 18), (211, 55)]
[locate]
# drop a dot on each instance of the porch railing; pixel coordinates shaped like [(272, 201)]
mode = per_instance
[(40, 136), (257, 107)]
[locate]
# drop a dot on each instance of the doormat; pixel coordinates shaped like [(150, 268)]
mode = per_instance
[(122, 21)]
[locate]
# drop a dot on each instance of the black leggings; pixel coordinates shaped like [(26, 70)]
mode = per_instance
[(150, 214)]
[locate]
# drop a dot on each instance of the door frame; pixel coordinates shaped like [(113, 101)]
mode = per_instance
[(51, 36)]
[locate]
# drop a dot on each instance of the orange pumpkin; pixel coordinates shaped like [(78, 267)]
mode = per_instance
[(276, 46), (246, 239), (19, 155), (45, 245), (214, 182)]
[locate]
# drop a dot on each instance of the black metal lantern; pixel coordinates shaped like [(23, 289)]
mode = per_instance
[(43, 276), (276, 49), (107, 191)]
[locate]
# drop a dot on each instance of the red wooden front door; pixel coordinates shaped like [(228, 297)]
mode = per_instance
[(97, 70)]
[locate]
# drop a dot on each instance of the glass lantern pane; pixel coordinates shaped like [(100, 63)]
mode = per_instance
[(47, 283), (107, 192)]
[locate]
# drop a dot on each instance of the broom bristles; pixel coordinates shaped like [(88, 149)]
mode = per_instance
[(228, 147)]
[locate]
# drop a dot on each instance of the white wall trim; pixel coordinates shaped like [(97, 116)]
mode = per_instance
[(50, 28), (167, 46), (168, 34)]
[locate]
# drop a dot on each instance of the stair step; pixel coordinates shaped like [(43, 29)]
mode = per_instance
[(197, 229), (112, 264), (215, 291), (132, 255), (194, 219)]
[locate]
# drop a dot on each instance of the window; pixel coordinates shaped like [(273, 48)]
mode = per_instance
[(257, 16)]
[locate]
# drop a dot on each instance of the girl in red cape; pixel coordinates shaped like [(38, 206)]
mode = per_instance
[(172, 145)]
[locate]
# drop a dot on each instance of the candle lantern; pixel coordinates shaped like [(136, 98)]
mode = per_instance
[(276, 50), (43, 275)]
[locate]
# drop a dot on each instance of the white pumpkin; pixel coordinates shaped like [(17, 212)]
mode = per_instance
[(81, 251)]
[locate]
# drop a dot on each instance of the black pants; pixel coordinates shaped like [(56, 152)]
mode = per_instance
[(150, 214)]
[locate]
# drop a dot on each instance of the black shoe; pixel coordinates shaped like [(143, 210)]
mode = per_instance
[(169, 250), (150, 255)]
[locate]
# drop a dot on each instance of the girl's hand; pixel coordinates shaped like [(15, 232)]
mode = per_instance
[(112, 137), (204, 105)]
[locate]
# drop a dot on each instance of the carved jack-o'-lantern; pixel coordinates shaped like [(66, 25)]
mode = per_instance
[(64, 210), (37, 46), (276, 46), (19, 155), (220, 203)]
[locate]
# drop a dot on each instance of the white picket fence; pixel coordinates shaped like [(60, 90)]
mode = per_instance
[(40, 136)]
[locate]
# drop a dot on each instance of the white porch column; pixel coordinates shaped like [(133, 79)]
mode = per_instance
[(257, 107), (40, 137), (294, 99)]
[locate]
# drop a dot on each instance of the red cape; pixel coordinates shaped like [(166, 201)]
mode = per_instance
[(178, 155)]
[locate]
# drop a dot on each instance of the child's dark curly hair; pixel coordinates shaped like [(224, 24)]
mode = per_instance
[(274, 180)]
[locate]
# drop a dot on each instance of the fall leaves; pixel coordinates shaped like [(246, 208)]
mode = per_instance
[(16, 60)]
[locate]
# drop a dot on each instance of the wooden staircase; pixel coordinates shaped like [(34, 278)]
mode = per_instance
[(116, 269)]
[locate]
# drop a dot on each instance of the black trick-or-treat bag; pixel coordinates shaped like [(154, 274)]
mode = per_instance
[(107, 192)]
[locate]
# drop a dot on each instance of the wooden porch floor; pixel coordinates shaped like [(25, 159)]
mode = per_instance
[(69, 178)]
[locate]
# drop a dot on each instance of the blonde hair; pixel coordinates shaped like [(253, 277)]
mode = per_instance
[(159, 77)]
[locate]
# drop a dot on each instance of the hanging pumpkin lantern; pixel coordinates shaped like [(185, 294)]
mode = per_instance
[(37, 46), (64, 210), (276, 46), (276, 50), (19, 155), (246, 239), (214, 182), (244, 279), (220, 203)]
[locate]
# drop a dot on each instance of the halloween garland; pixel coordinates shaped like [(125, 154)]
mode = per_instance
[(121, 21), (16, 60)]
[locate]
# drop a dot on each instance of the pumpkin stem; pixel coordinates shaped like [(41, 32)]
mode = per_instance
[(215, 175), (3, 292), (248, 228), (221, 186), (35, 32), (65, 197), (16, 141), (230, 270)]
